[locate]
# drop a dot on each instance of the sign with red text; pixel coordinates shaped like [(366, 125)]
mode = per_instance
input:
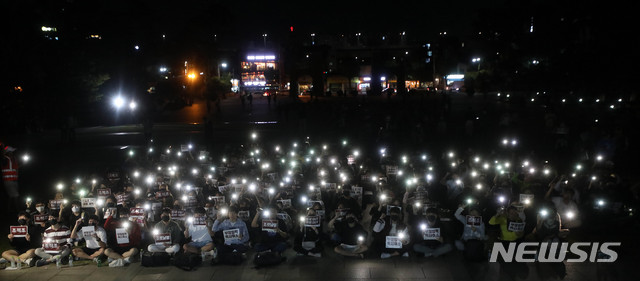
[(269, 225), (162, 194), (104, 192), (162, 238), (40, 218), (474, 221), (18, 231)]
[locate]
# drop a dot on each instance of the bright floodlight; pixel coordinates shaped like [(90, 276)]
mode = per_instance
[(118, 102)]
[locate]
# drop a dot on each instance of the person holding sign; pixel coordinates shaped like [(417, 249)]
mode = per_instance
[(54, 242), (511, 225), (307, 242), (68, 216), (391, 226), (199, 232), (473, 227), (95, 237), (432, 244), (124, 236), (237, 241), (166, 225), (350, 235), (23, 242), (274, 235)]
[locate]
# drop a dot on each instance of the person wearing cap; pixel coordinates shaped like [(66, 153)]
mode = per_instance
[(201, 241), (10, 176)]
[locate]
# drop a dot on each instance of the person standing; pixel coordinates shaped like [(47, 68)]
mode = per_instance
[(10, 176)]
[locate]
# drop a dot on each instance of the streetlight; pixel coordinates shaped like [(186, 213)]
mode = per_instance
[(264, 37), (223, 65)]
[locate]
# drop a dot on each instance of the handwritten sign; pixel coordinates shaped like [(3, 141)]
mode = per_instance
[(104, 192), (431, 234), (40, 218), (18, 231), (88, 202), (121, 198), (516, 226), (231, 235), (178, 214), (269, 225), (312, 221), (393, 242), (88, 232), (162, 238), (286, 203), (474, 221), (122, 237), (55, 204)]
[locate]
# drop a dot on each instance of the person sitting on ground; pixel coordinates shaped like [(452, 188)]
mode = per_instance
[(96, 243), (433, 236), (124, 246), (54, 242), (24, 247), (166, 225), (200, 233), (307, 242), (350, 235), (473, 230), (394, 226), (272, 236), (232, 244), (566, 207)]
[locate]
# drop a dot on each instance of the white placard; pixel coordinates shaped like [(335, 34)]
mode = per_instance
[(231, 235), (88, 202), (88, 232), (524, 198), (162, 238), (312, 221), (516, 226), (431, 234), (269, 225), (393, 242), (122, 236)]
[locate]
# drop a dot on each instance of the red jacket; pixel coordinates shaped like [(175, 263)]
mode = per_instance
[(134, 231), (9, 169)]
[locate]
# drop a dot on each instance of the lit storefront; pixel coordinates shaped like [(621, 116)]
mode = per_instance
[(259, 73)]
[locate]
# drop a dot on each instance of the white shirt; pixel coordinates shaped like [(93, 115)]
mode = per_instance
[(92, 243)]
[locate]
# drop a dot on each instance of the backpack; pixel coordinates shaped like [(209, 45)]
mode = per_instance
[(267, 259), (187, 261), (150, 259)]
